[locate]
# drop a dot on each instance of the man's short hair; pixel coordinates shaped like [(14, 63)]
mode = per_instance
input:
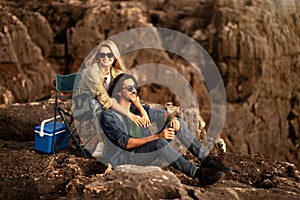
[(117, 84)]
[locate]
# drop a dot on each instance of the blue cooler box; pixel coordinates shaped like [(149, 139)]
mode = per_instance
[(43, 140)]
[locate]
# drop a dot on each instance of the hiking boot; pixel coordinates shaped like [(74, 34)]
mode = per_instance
[(213, 163), (208, 176)]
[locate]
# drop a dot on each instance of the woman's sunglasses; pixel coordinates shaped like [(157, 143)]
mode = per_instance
[(130, 88), (102, 55)]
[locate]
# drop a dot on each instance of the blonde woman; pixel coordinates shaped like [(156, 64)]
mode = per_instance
[(103, 66)]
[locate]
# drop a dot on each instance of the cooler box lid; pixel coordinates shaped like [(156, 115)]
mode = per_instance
[(48, 128)]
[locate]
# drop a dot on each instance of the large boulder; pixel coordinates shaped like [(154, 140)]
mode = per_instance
[(140, 182)]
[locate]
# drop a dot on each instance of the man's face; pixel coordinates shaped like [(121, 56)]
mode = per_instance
[(129, 90)]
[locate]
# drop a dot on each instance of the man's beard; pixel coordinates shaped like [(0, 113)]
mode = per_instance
[(128, 98)]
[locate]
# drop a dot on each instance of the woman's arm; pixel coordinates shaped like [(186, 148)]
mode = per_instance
[(135, 118), (145, 117), (89, 80)]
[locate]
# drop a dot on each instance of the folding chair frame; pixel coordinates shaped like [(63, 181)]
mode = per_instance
[(86, 116), (73, 79)]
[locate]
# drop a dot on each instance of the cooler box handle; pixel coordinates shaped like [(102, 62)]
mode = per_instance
[(42, 133)]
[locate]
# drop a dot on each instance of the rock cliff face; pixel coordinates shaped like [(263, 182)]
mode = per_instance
[(258, 55), (25, 73), (255, 44)]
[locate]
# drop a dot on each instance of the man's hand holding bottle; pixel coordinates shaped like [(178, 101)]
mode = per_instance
[(173, 125)]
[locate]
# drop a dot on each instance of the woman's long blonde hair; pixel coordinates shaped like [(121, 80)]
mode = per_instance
[(118, 63)]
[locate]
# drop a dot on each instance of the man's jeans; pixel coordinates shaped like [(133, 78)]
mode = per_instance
[(161, 148)]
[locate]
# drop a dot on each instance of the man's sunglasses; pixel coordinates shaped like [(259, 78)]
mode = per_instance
[(130, 88), (102, 55)]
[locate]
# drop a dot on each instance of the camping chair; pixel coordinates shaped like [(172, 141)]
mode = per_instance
[(66, 84)]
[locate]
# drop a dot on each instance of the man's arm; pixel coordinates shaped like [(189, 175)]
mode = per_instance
[(115, 132), (114, 129), (167, 133), (137, 142)]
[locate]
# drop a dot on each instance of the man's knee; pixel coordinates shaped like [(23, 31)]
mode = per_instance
[(182, 123)]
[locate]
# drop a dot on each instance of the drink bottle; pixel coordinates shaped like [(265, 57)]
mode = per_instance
[(170, 123)]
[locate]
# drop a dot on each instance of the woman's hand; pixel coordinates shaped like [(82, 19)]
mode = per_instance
[(144, 115), (145, 118), (138, 120)]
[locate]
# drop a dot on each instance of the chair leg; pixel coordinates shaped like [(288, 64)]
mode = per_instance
[(70, 134), (78, 144)]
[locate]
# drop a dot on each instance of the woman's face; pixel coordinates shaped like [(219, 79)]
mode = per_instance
[(105, 56)]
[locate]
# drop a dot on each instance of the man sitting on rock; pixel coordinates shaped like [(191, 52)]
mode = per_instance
[(128, 144)]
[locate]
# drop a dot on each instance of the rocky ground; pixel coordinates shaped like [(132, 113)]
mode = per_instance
[(26, 174)]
